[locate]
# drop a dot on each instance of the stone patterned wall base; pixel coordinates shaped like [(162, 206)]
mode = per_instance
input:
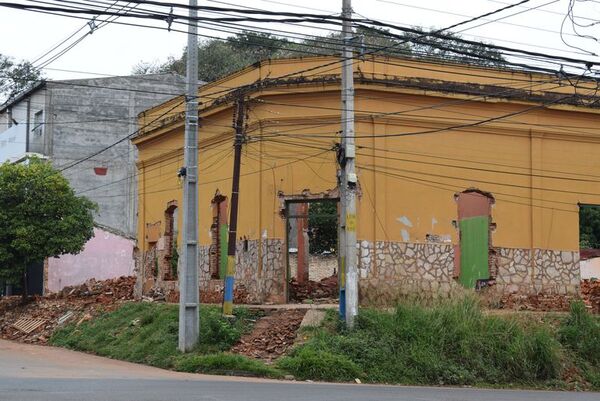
[(387, 271), (548, 272), (254, 282), (391, 270)]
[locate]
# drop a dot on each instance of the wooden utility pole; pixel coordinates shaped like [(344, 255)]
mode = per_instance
[(189, 319), (239, 120), (348, 175)]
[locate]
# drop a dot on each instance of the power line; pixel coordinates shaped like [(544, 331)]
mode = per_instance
[(380, 169), (451, 128), (437, 184), (219, 156), (448, 12), (513, 173), (119, 141), (72, 45), (482, 181), (487, 162), (317, 18)]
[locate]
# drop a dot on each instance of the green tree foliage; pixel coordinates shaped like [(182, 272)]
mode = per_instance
[(589, 227), (218, 58), (40, 217), (322, 222), (15, 77)]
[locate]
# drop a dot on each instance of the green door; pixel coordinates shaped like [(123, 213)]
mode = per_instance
[(474, 233)]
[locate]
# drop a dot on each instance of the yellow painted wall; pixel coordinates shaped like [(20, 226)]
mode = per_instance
[(407, 183)]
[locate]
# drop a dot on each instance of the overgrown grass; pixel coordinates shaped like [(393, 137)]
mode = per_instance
[(449, 343), (580, 334), (147, 333)]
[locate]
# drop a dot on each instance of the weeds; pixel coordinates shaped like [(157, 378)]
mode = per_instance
[(580, 333), (448, 343)]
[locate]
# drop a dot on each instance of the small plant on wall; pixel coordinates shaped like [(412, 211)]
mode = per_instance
[(174, 260)]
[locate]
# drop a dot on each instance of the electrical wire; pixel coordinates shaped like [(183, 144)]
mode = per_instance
[(318, 18)]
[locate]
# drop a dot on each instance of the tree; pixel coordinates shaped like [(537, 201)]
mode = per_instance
[(322, 222), (217, 58), (40, 217), (589, 227), (220, 57), (15, 77)]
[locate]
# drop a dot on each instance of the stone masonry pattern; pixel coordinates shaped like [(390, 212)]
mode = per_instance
[(550, 272), (387, 271), (390, 270)]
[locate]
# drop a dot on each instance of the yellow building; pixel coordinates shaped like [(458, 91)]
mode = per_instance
[(441, 148)]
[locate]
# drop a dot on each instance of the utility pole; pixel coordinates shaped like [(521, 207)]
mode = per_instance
[(189, 319), (239, 119), (348, 174)]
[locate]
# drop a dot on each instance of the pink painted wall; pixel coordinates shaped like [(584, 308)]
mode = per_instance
[(105, 256)]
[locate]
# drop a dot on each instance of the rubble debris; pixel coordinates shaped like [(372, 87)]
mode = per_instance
[(77, 304), (105, 291), (590, 295), (28, 325), (537, 302), (327, 288), (590, 292), (155, 294), (65, 318), (272, 336), (241, 295)]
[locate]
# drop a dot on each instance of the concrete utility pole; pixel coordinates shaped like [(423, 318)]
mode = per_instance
[(348, 174), (235, 191), (189, 319)]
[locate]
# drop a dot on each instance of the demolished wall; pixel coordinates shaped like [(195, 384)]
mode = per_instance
[(259, 276), (387, 271)]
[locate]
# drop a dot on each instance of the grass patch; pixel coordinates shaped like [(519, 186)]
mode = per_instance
[(448, 343), (225, 364), (314, 364), (580, 334), (147, 333)]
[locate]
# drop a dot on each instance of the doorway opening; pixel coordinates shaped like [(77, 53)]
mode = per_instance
[(589, 241), (475, 257), (312, 250)]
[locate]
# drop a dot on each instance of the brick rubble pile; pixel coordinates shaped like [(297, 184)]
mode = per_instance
[(327, 288), (537, 302), (272, 336), (590, 295), (75, 304), (590, 292)]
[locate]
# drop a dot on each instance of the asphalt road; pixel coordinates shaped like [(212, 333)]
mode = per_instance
[(31, 373)]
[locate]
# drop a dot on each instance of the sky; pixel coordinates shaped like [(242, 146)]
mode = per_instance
[(115, 49)]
